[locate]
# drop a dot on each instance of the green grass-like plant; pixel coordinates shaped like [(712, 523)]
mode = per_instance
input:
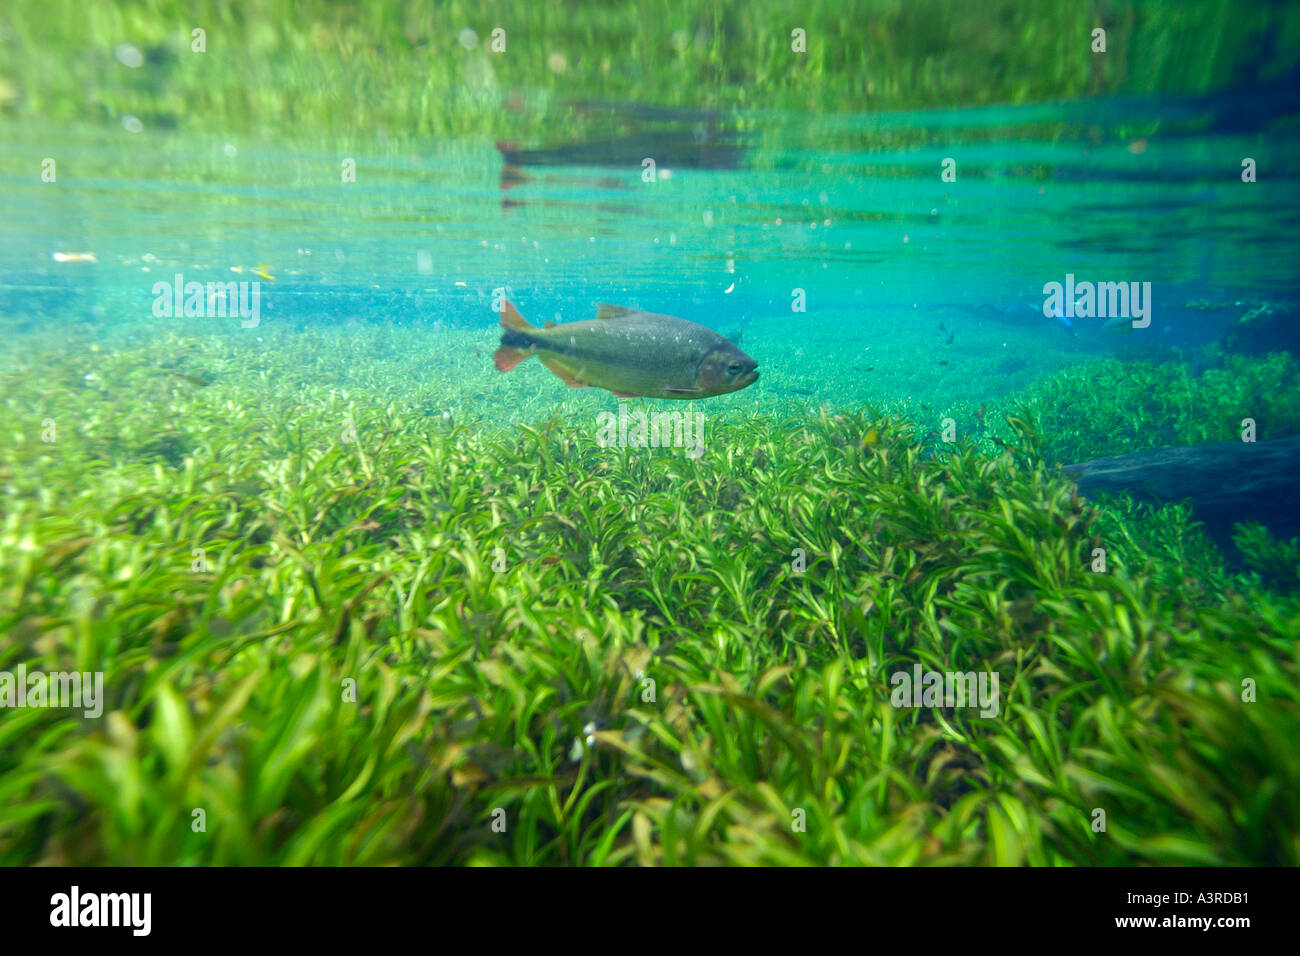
[(351, 73), (352, 631)]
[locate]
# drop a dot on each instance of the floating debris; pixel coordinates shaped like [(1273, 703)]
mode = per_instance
[(262, 271), (129, 55)]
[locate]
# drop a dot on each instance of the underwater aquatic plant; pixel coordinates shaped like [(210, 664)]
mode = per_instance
[(351, 632), (310, 58)]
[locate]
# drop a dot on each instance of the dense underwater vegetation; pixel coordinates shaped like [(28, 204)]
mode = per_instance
[(358, 598), (371, 560)]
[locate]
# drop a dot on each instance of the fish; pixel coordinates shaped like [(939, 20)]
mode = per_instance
[(671, 148), (1062, 319), (631, 353), (201, 379)]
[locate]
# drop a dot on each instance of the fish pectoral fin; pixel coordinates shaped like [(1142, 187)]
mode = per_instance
[(606, 311), (563, 373)]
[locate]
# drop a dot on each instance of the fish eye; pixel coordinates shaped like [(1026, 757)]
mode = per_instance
[(733, 368)]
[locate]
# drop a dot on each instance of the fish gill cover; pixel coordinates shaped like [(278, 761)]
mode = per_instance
[(994, 564)]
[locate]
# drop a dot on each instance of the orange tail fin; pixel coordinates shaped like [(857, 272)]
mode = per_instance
[(507, 357)]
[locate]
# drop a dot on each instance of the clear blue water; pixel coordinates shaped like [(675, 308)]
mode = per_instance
[(900, 270)]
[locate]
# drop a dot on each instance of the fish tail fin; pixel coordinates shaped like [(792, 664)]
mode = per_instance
[(510, 354), (508, 357)]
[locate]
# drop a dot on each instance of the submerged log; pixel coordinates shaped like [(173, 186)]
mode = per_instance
[(1225, 482)]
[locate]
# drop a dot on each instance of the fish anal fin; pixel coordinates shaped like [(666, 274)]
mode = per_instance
[(507, 358), (511, 319), (626, 395), (606, 311), (563, 374)]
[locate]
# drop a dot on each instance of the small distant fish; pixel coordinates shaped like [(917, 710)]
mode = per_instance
[(1062, 319), (201, 379), (948, 340), (943, 361), (630, 353), (73, 257), (1119, 323)]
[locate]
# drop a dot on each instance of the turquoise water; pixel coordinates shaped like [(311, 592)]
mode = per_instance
[(914, 289), (231, 519)]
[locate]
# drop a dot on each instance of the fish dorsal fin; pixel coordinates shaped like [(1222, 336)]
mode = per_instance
[(511, 319), (606, 311), (549, 324)]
